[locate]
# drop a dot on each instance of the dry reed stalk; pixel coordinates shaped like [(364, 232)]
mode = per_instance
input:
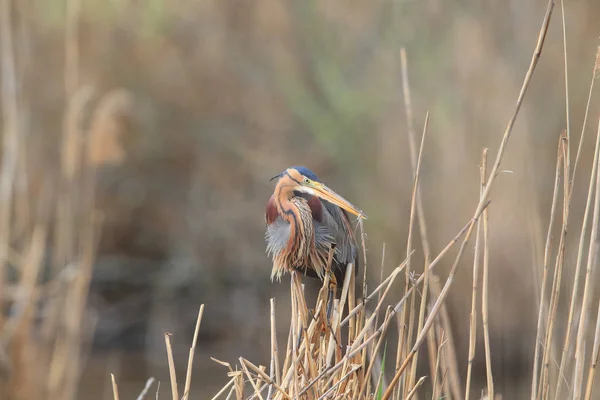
[(413, 148), (566, 69), (355, 323), (594, 358), (262, 375), (413, 391), (585, 302), (558, 267), (415, 157), (432, 350), (435, 395), (476, 262), (146, 388), (421, 320), (547, 253), (416, 205), (255, 386), (374, 353), (410, 383), (275, 375), (564, 361), (295, 329), (485, 286), (172, 373), (235, 375), (188, 376), (414, 161), (449, 361), (224, 389), (115, 388)]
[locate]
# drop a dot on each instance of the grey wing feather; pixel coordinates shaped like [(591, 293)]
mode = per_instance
[(278, 234), (338, 225)]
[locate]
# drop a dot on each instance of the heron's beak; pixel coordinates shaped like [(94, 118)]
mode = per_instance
[(325, 193)]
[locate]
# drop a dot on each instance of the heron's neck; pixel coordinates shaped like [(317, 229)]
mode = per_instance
[(296, 212), (285, 207)]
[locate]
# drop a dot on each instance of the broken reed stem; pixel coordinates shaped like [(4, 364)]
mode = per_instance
[(565, 359), (188, 376), (172, 373), (262, 375), (585, 302), (250, 379), (485, 288)]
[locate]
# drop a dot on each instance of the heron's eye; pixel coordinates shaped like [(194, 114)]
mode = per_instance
[(306, 180)]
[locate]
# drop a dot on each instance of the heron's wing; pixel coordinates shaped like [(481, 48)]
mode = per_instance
[(338, 224)]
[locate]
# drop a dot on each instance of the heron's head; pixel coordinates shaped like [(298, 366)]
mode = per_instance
[(302, 179)]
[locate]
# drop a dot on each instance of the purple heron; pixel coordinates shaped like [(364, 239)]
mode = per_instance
[(305, 219)]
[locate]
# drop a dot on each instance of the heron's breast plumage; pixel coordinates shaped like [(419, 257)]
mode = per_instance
[(303, 245)]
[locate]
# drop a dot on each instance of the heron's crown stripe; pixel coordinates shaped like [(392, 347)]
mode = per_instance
[(291, 177)]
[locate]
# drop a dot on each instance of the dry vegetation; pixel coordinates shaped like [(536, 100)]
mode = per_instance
[(397, 341)]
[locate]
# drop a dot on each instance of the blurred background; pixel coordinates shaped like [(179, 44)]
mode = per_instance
[(139, 137)]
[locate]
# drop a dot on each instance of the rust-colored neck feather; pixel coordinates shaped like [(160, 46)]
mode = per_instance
[(297, 213)]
